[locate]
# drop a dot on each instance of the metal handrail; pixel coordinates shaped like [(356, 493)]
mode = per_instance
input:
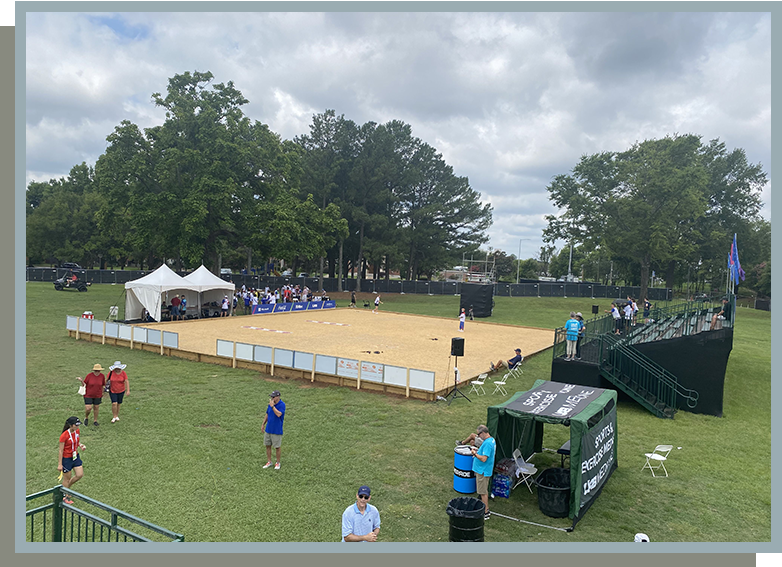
[(59, 517)]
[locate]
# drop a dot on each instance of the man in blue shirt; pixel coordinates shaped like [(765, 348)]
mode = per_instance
[(272, 428), (483, 465), (361, 521), (509, 364)]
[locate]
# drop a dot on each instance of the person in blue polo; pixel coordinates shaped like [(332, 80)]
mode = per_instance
[(272, 428), (361, 521), (483, 465)]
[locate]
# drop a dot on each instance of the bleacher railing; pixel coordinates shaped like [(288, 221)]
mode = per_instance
[(57, 521)]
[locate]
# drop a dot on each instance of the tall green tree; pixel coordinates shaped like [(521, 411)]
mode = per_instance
[(642, 203)]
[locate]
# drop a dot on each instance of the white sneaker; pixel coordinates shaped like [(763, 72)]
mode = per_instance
[(267, 465), (113, 419), (277, 466)]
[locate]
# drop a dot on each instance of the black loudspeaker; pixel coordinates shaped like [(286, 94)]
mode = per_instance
[(594, 309), (457, 346)]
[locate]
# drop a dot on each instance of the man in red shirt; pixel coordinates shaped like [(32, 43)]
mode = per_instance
[(94, 383), (175, 308)]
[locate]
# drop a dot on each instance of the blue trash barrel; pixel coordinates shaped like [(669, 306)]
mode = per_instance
[(463, 476)]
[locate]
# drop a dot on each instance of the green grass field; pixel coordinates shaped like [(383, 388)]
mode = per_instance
[(188, 451)]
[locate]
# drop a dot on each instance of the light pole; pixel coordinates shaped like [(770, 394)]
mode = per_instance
[(518, 260)]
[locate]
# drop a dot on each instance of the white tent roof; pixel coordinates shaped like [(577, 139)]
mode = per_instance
[(204, 280), (147, 292)]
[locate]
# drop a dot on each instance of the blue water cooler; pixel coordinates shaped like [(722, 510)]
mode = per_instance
[(463, 476)]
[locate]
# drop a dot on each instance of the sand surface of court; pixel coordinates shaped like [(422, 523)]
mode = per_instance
[(412, 341)]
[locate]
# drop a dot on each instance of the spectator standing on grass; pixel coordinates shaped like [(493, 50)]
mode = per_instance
[(93, 396), (509, 364), (119, 386), (361, 521), (272, 428), (253, 303), (377, 304), (182, 307), (224, 307), (352, 299), (572, 327), (246, 297), (69, 460), (483, 465), (462, 317), (581, 333)]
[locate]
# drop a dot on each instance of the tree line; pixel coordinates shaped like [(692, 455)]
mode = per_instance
[(210, 185)]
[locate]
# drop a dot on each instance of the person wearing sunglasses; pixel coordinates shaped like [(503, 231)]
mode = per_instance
[(361, 521)]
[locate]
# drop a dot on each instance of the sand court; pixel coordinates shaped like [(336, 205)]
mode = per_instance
[(412, 341)]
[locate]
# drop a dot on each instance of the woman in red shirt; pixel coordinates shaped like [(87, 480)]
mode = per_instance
[(119, 387), (69, 459), (94, 382)]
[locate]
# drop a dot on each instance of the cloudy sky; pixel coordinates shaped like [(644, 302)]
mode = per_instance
[(510, 99)]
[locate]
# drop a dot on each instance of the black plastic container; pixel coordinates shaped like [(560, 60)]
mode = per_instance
[(554, 492), (465, 517)]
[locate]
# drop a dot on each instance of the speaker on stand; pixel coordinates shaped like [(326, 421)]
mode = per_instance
[(457, 350)]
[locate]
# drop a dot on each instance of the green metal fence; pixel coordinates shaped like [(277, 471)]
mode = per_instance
[(86, 520)]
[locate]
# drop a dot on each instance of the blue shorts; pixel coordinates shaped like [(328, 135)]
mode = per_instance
[(92, 401), (116, 398), (69, 463), (174, 310)]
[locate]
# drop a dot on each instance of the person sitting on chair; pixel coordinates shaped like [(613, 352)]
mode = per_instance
[(473, 440), (509, 364), (722, 315)]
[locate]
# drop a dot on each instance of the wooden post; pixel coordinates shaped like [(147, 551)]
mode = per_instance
[(407, 384), (161, 342), (272, 370), (78, 325), (233, 360), (103, 339), (131, 337), (358, 380), (312, 379)]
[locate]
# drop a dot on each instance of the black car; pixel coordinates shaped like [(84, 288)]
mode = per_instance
[(71, 266)]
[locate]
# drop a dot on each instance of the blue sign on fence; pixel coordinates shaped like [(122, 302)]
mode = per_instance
[(262, 309), (282, 307), (314, 305), (329, 304), (299, 306)]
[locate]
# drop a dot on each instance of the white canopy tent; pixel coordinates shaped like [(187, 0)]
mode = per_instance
[(150, 291), (210, 288)]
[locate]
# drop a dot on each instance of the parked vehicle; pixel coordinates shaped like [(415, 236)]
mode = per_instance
[(304, 275), (71, 266), (225, 271)]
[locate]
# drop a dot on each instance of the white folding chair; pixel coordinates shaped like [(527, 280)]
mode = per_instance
[(658, 456), (524, 470), (499, 387), (477, 385)]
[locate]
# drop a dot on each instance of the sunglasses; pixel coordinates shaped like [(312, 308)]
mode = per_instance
[(363, 496)]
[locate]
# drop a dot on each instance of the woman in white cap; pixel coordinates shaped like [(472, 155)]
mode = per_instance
[(119, 387), (225, 307), (93, 396)]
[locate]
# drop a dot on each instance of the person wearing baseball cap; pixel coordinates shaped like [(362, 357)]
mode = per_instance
[(509, 364), (93, 396), (361, 520), (272, 428), (69, 460)]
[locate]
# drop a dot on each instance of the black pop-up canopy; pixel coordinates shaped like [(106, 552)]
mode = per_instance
[(591, 415)]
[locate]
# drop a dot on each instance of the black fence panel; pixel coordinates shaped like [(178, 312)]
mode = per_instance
[(502, 289), (436, 288), (544, 290), (571, 290)]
